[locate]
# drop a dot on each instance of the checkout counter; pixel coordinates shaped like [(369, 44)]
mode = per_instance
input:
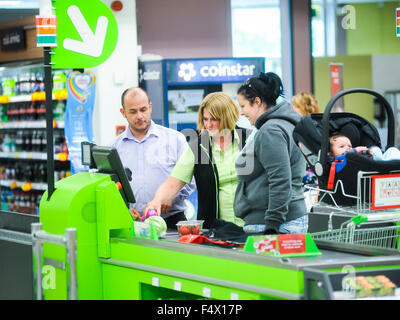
[(85, 247), (16, 277)]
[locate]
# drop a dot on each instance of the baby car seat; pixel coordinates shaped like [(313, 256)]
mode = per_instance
[(313, 132)]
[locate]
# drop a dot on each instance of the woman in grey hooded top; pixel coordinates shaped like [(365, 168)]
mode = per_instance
[(269, 196)]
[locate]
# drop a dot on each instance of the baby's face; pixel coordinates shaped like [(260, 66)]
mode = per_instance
[(340, 145)]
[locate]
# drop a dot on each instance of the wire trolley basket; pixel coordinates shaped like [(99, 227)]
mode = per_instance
[(371, 196), (387, 237)]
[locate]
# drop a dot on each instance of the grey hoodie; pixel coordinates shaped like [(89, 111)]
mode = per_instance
[(270, 170)]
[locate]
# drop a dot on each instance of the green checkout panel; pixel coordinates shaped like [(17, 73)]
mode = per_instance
[(87, 246)]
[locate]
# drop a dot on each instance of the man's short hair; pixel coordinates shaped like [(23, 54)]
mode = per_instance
[(132, 89)]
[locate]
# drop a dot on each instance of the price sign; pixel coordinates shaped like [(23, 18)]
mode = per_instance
[(385, 191)]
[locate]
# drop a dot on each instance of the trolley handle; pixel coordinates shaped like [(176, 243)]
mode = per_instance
[(362, 218)]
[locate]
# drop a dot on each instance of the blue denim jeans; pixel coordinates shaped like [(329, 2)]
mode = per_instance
[(299, 225)]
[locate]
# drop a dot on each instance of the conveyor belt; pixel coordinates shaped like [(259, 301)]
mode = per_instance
[(329, 258)]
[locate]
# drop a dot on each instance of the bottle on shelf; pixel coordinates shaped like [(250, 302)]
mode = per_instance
[(38, 198), (8, 85), (2, 171), (39, 81), (18, 171), (41, 110), (11, 111), (30, 111), (57, 147), (27, 140), (19, 141), (24, 84), (12, 142), (35, 141), (4, 116), (42, 172), (7, 143), (12, 172), (3, 199), (34, 172), (32, 203), (43, 141), (59, 81), (59, 110), (22, 111), (11, 201), (33, 82), (17, 205)]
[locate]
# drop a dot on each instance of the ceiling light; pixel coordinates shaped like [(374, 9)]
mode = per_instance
[(18, 4), (10, 3)]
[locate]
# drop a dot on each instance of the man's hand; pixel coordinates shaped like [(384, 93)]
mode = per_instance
[(165, 207), (135, 214), (152, 204)]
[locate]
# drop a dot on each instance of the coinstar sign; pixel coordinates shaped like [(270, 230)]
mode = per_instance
[(213, 70)]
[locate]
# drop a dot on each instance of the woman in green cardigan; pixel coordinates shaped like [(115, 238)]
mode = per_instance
[(210, 159)]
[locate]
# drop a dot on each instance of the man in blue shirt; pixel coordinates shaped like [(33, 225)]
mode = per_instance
[(150, 151)]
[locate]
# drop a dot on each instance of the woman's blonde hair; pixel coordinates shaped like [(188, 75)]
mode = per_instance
[(221, 107), (306, 103)]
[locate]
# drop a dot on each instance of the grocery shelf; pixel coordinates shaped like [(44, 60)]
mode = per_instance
[(32, 155), (41, 124), (37, 96), (41, 186)]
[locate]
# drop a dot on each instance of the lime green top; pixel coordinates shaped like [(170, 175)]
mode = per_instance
[(225, 162)]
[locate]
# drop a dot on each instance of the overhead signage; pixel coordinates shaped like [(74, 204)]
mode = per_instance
[(46, 31), (13, 39), (87, 34), (213, 70), (151, 79), (398, 22)]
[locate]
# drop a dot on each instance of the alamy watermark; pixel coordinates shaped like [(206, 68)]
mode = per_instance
[(48, 277), (349, 19), (348, 280)]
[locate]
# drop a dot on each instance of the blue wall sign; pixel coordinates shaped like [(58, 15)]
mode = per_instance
[(222, 70), (78, 115), (151, 79)]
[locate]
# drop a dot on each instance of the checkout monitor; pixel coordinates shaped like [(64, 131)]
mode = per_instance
[(107, 160)]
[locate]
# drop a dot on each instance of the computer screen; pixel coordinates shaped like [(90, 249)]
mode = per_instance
[(107, 160), (87, 158)]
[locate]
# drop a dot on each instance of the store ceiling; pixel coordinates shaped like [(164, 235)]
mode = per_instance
[(13, 14), (15, 9), (19, 4)]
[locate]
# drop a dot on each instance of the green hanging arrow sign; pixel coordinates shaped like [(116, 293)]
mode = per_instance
[(87, 33)]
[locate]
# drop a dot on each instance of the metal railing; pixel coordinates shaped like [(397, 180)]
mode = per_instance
[(40, 236)]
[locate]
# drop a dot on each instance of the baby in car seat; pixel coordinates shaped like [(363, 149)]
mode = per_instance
[(340, 144)]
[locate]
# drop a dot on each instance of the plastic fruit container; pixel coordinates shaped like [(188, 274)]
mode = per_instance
[(189, 227)]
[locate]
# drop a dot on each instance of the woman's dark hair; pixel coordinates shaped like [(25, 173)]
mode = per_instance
[(267, 86)]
